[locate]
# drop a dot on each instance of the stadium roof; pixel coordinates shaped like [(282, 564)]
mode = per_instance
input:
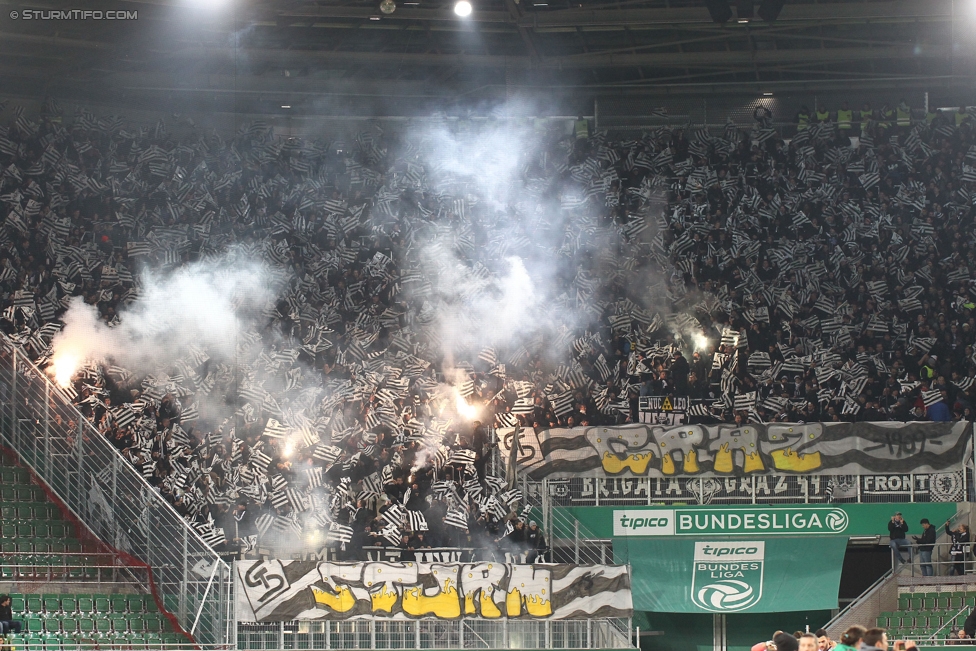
[(340, 56)]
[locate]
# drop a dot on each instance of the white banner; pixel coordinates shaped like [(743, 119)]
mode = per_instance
[(271, 591)]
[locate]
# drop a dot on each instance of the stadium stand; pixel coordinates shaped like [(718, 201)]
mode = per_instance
[(810, 266), (923, 614), (80, 594)]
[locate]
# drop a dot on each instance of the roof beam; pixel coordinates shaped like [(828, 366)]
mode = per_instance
[(898, 10), (590, 60)]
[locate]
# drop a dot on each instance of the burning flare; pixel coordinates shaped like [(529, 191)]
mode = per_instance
[(63, 368), (463, 409)]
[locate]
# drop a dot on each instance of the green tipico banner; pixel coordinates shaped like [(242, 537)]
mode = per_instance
[(738, 559), (733, 576), (842, 520)]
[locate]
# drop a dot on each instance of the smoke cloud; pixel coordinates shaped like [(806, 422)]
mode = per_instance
[(206, 305)]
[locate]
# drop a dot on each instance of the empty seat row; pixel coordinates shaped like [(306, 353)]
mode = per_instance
[(22, 493), (936, 600), (30, 511), (33, 529), (13, 475), (918, 620), (76, 642), (102, 625), (83, 603), (41, 546)]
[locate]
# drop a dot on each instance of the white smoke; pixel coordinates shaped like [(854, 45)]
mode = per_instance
[(205, 304)]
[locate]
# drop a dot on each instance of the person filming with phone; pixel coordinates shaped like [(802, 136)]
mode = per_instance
[(897, 528)]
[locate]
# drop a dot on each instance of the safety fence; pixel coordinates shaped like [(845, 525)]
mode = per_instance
[(438, 634), (114, 501)]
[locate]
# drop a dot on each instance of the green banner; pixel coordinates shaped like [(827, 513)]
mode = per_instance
[(740, 559), (842, 520), (679, 575)]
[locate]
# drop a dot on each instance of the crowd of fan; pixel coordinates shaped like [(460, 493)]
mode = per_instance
[(824, 278)]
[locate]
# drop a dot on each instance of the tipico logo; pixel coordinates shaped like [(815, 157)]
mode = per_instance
[(730, 521), (728, 576)]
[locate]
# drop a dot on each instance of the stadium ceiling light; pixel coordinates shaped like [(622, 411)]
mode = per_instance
[(286, 106), (462, 8), (387, 6), (744, 11)]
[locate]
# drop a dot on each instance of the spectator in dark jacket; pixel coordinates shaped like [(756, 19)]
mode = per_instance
[(926, 543), (897, 528), (7, 622)]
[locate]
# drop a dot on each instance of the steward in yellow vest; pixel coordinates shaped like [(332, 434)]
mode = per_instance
[(904, 114), (845, 118), (823, 116), (803, 118), (582, 128)]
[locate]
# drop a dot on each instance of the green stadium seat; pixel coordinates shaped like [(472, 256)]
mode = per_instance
[(52, 604), (8, 493), (52, 625), (33, 624), (150, 604), (102, 604), (135, 604), (137, 625), (86, 604), (904, 602), (58, 530), (34, 643), (41, 530), (8, 530), (153, 625), (119, 603), (34, 605), (25, 530), (24, 493), (86, 626), (103, 626), (119, 623)]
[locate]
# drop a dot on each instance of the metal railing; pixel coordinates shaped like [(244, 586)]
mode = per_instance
[(438, 634), (108, 495), (422, 555), (572, 542), (69, 567), (882, 595), (943, 563)]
